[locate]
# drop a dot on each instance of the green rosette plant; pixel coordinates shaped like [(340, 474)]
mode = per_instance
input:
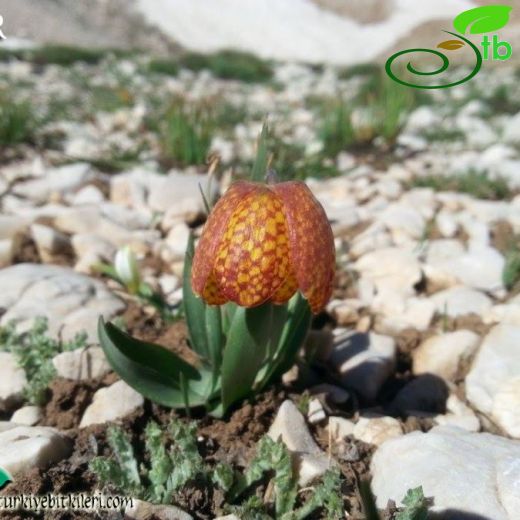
[(264, 263)]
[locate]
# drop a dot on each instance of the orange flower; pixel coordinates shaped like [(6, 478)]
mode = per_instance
[(262, 243)]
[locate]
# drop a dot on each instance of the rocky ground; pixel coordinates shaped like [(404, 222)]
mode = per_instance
[(412, 375)]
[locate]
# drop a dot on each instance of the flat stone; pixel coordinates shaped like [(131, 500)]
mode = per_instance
[(466, 473), (27, 415), (496, 363), (71, 302), (82, 364), (506, 407), (24, 447), (461, 301), (289, 426), (12, 226), (480, 268), (364, 361), (111, 403), (442, 354), (458, 415), (391, 268), (49, 242), (339, 428), (12, 381), (7, 251), (316, 412), (427, 393), (56, 181), (377, 430), (141, 510)]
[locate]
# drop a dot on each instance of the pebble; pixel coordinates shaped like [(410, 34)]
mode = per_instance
[(71, 302), (316, 412), (391, 268), (426, 393), (25, 447), (111, 403), (441, 355), (289, 426), (141, 510), (27, 415), (377, 430), (12, 381), (364, 361), (466, 473), (81, 364), (492, 383), (461, 301), (459, 415)]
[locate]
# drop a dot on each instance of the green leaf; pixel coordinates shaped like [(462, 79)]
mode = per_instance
[(120, 444), (451, 45), (292, 337), (245, 350), (148, 368), (484, 19), (260, 165), (416, 505), (160, 464), (194, 308)]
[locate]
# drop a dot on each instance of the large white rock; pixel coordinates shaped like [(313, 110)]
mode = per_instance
[(289, 426), (493, 383), (465, 473), (441, 355), (497, 362), (111, 403), (81, 364), (461, 301), (71, 302), (12, 381), (391, 269), (506, 407), (364, 361), (24, 447)]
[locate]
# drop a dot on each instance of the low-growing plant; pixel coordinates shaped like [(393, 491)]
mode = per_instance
[(17, 121), (63, 55), (475, 183), (230, 64), (164, 66), (173, 461), (185, 132), (34, 351), (246, 320), (415, 504), (511, 272), (378, 110)]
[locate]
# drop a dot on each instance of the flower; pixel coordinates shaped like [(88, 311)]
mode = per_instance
[(262, 243), (126, 268)]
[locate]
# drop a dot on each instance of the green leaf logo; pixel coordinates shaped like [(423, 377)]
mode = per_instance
[(4, 478), (451, 45), (487, 18)]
